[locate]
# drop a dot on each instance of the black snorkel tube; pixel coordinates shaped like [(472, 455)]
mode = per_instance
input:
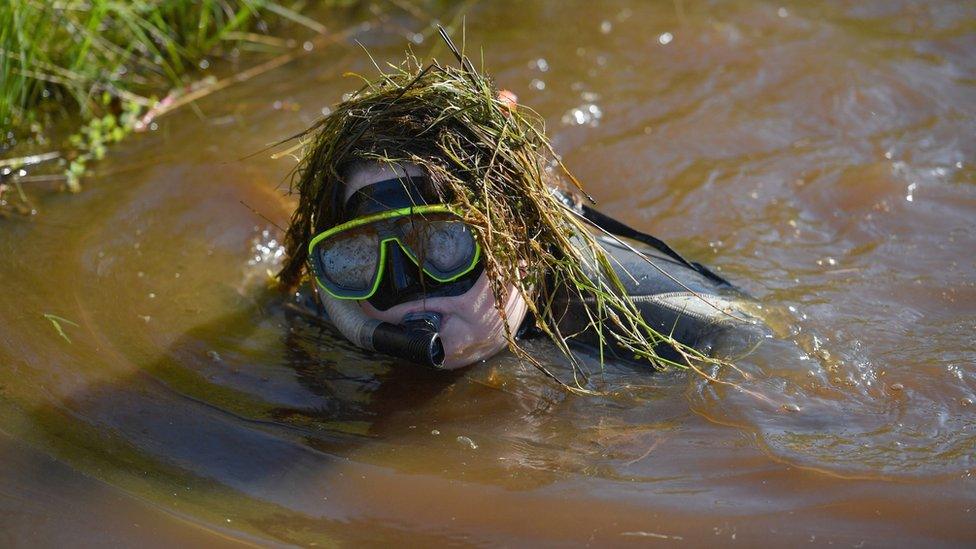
[(416, 339)]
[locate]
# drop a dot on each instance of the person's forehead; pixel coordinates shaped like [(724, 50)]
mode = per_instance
[(365, 174)]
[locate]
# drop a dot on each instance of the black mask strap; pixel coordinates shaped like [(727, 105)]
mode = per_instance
[(389, 194)]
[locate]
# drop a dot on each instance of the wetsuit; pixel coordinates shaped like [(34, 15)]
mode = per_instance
[(674, 296), (697, 310)]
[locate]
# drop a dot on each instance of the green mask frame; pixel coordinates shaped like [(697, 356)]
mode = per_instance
[(387, 232)]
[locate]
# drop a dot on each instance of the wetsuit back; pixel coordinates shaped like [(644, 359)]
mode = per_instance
[(673, 296)]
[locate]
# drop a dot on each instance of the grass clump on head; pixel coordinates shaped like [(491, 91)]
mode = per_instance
[(495, 165)]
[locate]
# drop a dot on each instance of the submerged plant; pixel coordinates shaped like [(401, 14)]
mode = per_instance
[(494, 163)]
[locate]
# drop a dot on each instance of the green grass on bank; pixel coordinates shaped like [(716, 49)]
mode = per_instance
[(58, 55), (79, 75)]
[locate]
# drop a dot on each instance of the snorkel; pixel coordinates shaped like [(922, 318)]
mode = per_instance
[(416, 339)]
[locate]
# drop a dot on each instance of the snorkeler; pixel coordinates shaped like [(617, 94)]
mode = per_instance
[(436, 226)]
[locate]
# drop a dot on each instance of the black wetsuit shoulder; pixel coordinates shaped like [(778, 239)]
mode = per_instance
[(674, 296)]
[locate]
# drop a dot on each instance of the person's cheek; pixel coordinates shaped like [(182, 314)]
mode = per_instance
[(474, 332), (457, 339), (465, 344)]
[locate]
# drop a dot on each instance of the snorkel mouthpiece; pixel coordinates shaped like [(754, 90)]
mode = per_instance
[(416, 339), (423, 319)]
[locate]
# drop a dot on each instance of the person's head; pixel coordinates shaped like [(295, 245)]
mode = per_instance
[(411, 143), (471, 328)]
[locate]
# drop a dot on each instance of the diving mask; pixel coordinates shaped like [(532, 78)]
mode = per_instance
[(380, 256)]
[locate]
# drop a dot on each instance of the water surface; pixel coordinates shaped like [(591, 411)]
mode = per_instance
[(820, 154)]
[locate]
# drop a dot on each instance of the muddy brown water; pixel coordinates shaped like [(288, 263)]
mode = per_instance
[(819, 153)]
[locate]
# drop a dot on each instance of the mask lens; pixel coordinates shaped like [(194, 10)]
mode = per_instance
[(349, 260), (444, 244), (449, 245)]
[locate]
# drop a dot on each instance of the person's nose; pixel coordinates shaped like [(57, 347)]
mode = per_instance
[(403, 273)]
